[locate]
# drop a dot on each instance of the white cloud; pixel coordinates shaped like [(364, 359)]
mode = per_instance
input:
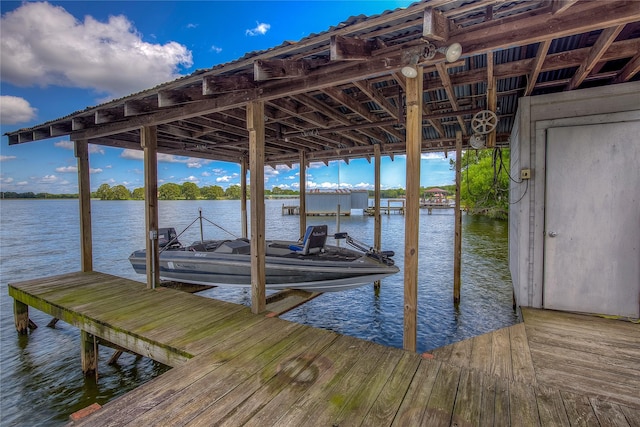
[(432, 156), (6, 180), (21, 183), (69, 145), (191, 162), (225, 178), (260, 29), (67, 169), (205, 173), (191, 179), (14, 109), (6, 158), (48, 179), (42, 44), (215, 49)]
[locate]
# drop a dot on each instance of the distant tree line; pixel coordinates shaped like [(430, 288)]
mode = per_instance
[(31, 195)]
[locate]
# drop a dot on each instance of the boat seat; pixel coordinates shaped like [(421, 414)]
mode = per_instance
[(313, 242)]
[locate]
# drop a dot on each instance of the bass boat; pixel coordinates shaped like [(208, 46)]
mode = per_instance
[(309, 264)]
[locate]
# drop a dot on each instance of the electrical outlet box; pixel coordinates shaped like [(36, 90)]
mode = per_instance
[(525, 174)]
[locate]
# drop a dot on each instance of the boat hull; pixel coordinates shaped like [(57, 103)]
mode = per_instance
[(321, 273)]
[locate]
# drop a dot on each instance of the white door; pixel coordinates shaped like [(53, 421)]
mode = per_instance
[(592, 219)]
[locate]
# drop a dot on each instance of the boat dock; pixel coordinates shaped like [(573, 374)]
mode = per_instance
[(232, 367)]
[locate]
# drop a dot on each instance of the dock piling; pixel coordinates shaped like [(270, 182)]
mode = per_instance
[(88, 354), (21, 316)]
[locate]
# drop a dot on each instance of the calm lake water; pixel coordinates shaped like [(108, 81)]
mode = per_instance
[(40, 378)]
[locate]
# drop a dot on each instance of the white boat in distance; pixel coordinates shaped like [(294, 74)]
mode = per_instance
[(310, 265)]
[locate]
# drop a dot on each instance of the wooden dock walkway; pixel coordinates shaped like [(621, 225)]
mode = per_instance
[(235, 368)]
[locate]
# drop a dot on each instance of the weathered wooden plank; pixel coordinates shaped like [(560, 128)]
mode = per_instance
[(142, 399), (632, 415), (578, 322), (550, 407), (442, 353), (523, 408), (413, 405), (579, 410), (332, 400), (610, 346), (608, 413), (391, 396), (296, 369), (367, 384), (481, 353), (442, 398), (501, 354), (488, 402), (522, 364), (199, 395), (339, 366), (461, 353), (501, 415), (468, 404), (335, 358)]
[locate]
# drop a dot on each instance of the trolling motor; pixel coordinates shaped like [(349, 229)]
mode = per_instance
[(382, 256)]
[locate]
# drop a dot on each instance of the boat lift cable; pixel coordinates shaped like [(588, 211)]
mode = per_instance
[(199, 218)]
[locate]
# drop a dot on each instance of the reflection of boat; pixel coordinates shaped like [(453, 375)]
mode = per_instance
[(310, 265)]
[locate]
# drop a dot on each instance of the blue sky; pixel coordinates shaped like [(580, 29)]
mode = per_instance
[(61, 57)]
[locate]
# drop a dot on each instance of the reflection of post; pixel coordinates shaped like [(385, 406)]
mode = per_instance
[(457, 251)]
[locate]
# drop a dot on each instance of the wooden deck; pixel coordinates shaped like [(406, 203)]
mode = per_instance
[(235, 368)]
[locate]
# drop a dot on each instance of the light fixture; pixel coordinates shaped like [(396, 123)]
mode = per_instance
[(452, 53), (410, 71)]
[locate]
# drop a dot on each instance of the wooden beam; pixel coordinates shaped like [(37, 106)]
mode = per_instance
[(605, 40), (543, 49), (255, 126), (448, 87), (344, 48), (523, 30), (303, 192), (631, 69), (269, 69), (435, 25), (243, 196), (84, 201), (412, 214), (559, 6), (457, 244), (377, 224), (149, 143), (492, 97)]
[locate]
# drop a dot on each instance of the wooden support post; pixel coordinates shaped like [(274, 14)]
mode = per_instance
[(377, 223), (255, 126), (243, 197), (88, 354), (149, 143), (303, 192), (114, 357), (457, 245), (492, 98), (21, 316), (84, 199), (412, 212)]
